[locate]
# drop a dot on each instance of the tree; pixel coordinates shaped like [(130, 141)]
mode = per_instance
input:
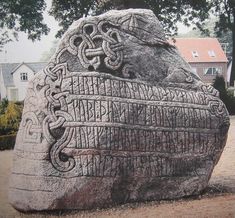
[(168, 12), (3, 105), (26, 15), (21, 16), (225, 96), (68, 11), (10, 119), (225, 10)]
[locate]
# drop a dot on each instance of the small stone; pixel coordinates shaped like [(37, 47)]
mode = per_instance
[(117, 116)]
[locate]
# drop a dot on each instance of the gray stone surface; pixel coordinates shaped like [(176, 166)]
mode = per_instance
[(117, 116)]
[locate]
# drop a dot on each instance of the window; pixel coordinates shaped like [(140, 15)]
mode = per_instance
[(211, 53), (24, 76), (195, 54), (212, 70)]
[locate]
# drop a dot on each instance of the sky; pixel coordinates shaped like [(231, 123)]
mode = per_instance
[(25, 50)]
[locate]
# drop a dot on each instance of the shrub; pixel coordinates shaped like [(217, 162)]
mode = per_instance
[(10, 120), (7, 142), (10, 117), (225, 96), (3, 105)]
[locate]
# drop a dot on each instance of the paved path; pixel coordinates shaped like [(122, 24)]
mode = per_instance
[(224, 172)]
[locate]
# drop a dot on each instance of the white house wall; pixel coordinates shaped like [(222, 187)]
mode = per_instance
[(22, 85), (8, 91), (3, 90)]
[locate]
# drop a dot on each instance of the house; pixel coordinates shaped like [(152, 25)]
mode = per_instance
[(14, 79), (205, 56)]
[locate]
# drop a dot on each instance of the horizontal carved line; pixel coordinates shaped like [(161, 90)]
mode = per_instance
[(128, 126), (102, 75), (64, 176), (30, 190), (72, 97), (132, 153)]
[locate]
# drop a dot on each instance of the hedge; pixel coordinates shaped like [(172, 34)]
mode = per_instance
[(7, 142), (225, 95)]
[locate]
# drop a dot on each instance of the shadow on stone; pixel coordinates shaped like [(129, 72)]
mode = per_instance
[(212, 190)]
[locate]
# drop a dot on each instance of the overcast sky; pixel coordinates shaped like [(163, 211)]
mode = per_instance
[(25, 50)]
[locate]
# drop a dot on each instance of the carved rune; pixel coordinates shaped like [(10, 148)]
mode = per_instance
[(96, 105)]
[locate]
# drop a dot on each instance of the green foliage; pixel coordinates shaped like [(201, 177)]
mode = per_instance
[(227, 38), (5, 37), (3, 105), (7, 142), (68, 11), (225, 11), (225, 96), (168, 12), (10, 119), (20, 15)]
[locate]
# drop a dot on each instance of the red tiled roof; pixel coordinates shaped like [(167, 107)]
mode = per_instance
[(200, 46)]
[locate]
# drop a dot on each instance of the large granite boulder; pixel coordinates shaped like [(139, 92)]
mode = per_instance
[(117, 116)]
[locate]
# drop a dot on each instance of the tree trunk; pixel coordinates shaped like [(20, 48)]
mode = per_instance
[(232, 76)]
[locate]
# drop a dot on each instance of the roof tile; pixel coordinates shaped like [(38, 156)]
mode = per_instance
[(203, 46)]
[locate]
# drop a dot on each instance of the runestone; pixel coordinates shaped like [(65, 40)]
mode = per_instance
[(116, 116)]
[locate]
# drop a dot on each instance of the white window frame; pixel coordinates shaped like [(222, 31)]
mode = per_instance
[(211, 53), (195, 54), (214, 70), (24, 76)]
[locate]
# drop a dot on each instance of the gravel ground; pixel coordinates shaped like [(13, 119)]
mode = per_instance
[(218, 200)]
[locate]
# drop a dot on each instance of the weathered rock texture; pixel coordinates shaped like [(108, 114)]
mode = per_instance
[(116, 116)]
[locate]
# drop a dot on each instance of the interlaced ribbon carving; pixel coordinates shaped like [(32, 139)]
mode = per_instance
[(32, 129), (96, 42), (57, 115), (99, 46)]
